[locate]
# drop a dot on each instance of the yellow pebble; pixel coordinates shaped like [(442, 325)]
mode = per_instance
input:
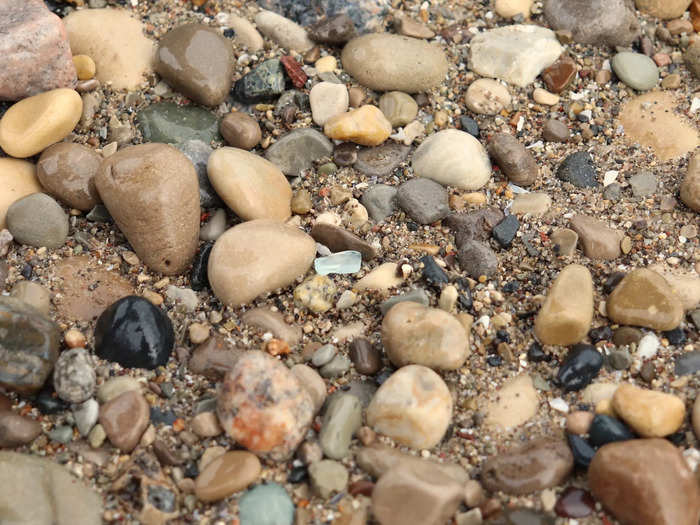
[(84, 67), (605, 407), (366, 126), (326, 64)]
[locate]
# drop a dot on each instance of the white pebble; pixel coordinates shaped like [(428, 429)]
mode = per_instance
[(559, 405), (648, 346)]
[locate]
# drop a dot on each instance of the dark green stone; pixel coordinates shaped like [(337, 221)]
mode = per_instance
[(171, 124), (263, 83)]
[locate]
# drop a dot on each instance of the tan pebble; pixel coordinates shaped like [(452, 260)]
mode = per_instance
[(534, 203), (301, 202), (240, 130), (84, 67), (511, 8), (124, 419), (399, 108), (690, 187), (565, 241), (206, 424), (366, 125), (277, 347), (649, 413), (67, 171), (357, 214), (313, 384), (672, 81), (597, 239), (356, 96), (695, 417), (473, 493), (198, 333), (154, 298), (32, 294), (605, 407), (448, 298), (579, 422), (34, 123), (366, 435), (74, 338), (226, 475), (326, 64), (487, 96), (515, 403), (544, 97), (382, 277)]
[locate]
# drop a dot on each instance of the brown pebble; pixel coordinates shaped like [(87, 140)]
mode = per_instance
[(560, 74), (363, 486), (67, 171), (516, 161), (579, 422), (337, 240), (74, 338), (125, 419), (555, 131), (16, 430), (206, 424), (214, 358), (365, 356), (356, 96), (240, 130), (345, 154), (226, 475), (5, 403)]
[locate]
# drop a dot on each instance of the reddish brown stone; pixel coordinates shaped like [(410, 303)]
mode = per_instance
[(294, 71), (574, 503), (560, 74), (17, 430), (125, 419), (35, 54)]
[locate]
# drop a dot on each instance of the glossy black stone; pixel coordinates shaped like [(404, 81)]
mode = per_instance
[(49, 403), (602, 333), (432, 272), (535, 354), (582, 364), (605, 429), (135, 334), (612, 281), (27, 270), (470, 126), (297, 475), (676, 336), (582, 451), (199, 278), (504, 232)]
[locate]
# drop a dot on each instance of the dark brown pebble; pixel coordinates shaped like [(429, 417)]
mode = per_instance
[(363, 486), (559, 75), (335, 30), (345, 154), (365, 356), (337, 240), (17, 430), (5, 403), (240, 130)]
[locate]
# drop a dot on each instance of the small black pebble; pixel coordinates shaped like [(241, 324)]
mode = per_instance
[(494, 360), (297, 475), (581, 365), (432, 272), (27, 270), (602, 333), (229, 33), (412, 226), (582, 451), (503, 335), (470, 126), (511, 286), (48, 403), (605, 429), (191, 470), (676, 336), (535, 354), (199, 279), (382, 376)]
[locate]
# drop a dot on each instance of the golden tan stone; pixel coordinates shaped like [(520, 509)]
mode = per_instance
[(17, 180), (690, 187), (34, 123), (84, 67), (515, 403), (226, 475), (366, 125), (649, 413), (383, 277)]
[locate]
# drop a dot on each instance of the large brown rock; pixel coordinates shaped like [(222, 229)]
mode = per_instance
[(151, 191), (35, 55), (645, 481)]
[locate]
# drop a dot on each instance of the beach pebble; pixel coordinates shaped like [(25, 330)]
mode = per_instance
[(514, 403), (169, 123), (381, 161), (328, 477), (263, 406), (512, 8), (337, 239), (240, 130), (596, 238), (399, 108), (33, 294), (341, 421), (327, 100), (124, 419), (534, 203), (544, 97), (246, 34), (515, 161), (413, 407), (579, 367), (559, 75), (266, 81), (317, 293), (424, 200), (67, 172), (17, 430), (242, 266), (486, 96), (296, 151), (690, 186), (380, 201), (38, 220), (335, 29), (227, 474), (386, 62), (365, 125), (17, 180), (477, 258), (313, 383), (266, 504), (578, 169), (649, 413), (383, 277), (636, 70), (213, 358), (283, 31), (74, 375), (272, 321), (555, 131), (663, 9)]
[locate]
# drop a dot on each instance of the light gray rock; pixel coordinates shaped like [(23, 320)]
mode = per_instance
[(424, 200), (38, 220), (296, 150), (380, 201)]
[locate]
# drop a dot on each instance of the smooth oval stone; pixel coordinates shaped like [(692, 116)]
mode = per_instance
[(605, 429), (74, 375), (537, 465), (240, 130), (213, 358), (596, 238), (383, 277), (486, 96), (386, 62), (649, 413), (453, 158), (67, 172), (135, 334), (566, 315), (636, 70), (336, 29), (516, 162), (328, 99), (690, 187), (226, 475), (581, 449), (516, 402), (284, 31), (342, 419), (251, 186), (17, 179), (267, 504), (424, 200), (262, 405), (33, 294), (17, 430), (34, 123), (124, 419), (297, 150), (242, 266), (413, 407), (328, 477), (365, 356), (644, 298), (555, 131), (365, 125), (38, 220), (399, 108), (197, 61), (172, 124), (581, 365), (116, 386), (380, 201), (534, 203), (416, 334), (313, 383), (645, 481), (151, 191)]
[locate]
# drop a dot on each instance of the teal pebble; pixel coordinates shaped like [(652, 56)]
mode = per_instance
[(267, 504), (171, 124)]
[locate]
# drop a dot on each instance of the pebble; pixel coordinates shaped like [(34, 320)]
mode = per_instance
[(559, 75), (555, 131), (544, 97), (31, 125), (605, 429), (18, 179), (516, 162), (301, 202), (504, 232), (17, 430), (416, 334), (515, 403), (74, 375), (206, 424), (386, 62), (337, 366), (327, 100), (240, 130), (690, 186), (313, 383), (516, 53), (381, 161), (86, 415), (486, 96), (124, 419), (264, 82), (691, 58), (566, 315), (579, 170), (213, 358), (346, 262), (413, 407), (135, 334), (252, 187), (67, 171), (537, 465), (647, 347), (164, 234), (197, 61), (636, 70), (645, 481), (117, 43), (214, 227), (59, 498), (328, 477), (598, 241), (365, 125), (407, 26), (245, 33), (272, 321), (116, 386), (227, 474), (513, 8), (33, 294), (579, 422), (266, 504), (453, 158), (262, 405), (32, 35), (535, 203), (168, 123), (295, 151), (644, 298), (695, 417), (337, 239), (383, 277), (574, 503), (365, 356), (477, 258), (380, 201), (580, 366), (424, 200), (283, 31), (37, 220), (30, 343), (416, 295), (663, 10), (399, 108), (687, 363), (316, 293), (335, 30), (649, 413), (415, 492), (598, 22), (377, 459)]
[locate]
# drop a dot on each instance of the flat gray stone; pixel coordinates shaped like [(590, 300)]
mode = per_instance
[(38, 220), (636, 70), (424, 200), (296, 151), (380, 201), (381, 161), (643, 184)]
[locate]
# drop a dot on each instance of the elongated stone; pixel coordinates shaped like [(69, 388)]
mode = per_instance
[(649, 413), (342, 419), (226, 475)]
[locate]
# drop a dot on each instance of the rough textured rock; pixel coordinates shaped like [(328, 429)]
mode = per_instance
[(297, 150), (124, 419)]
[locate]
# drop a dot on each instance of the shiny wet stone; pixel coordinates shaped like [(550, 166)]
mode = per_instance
[(199, 278), (605, 429), (581, 449), (263, 83), (169, 123), (581, 365)]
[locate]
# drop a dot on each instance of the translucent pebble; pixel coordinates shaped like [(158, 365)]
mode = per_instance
[(348, 261)]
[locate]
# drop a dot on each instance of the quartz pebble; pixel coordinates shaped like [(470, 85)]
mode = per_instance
[(227, 474), (542, 96), (366, 125), (516, 162), (37, 220), (67, 171), (413, 407), (327, 100), (649, 413), (240, 130), (486, 96), (124, 419)]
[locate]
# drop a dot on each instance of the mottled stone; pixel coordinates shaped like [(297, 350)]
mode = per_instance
[(264, 82), (486, 96), (477, 258), (579, 170), (74, 375), (381, 161), (214, 358), (336, 30)]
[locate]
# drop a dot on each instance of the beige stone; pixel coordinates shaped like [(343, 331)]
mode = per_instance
[(579, 422), (594, 393), (226, 475), (33, 294), (366, 125), (84, 67), (690, 187), (67, 171), (686, 285), (566, 315), (664, 9), (399, 108), (565, 241), (515, 403), (273, 322), (250, 185), (313, 383), (383, 277), (328, 99), (151, 191), (17, 180), (115, 41), (124, 419), (285, 32), (598, 241), (511, 8), (649, 413), (246, 34), (544, 97), (33, 124), (257, 257), (534, 203), (487, 96)]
